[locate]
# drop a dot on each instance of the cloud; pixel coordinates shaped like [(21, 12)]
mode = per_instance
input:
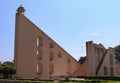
[(94, 34)]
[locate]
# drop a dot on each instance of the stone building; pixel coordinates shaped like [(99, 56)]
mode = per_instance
[(37, 55), (100, 61)]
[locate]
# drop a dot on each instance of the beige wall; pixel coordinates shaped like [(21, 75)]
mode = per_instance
[(25, 57), (106, 63), (118, 68), (90, 58), (98, 58)]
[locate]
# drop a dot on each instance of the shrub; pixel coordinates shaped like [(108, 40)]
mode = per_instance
[(67, 78)]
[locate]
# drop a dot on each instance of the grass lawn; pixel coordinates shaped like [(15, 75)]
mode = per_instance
[(89, 81), (24, 81), (51, 81)]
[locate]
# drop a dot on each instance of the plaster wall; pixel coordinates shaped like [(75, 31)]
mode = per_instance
[(106, 63), (26, 48)]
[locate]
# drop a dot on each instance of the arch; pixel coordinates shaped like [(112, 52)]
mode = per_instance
[(59, 54), (68, 60), (111, 71), (51, 68), (111, 59), (39, 41), (39, 54), (68, 68), (105, 70), (51, 45), (39, 68), (51, 55)]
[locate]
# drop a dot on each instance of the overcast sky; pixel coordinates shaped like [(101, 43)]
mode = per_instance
[(70, 23)]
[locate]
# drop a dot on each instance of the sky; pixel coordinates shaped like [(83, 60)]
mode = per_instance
[(70, 23)]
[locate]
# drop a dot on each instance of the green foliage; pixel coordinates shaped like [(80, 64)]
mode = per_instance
[(1, 69), (8, 63), (24, 81), (117, 78), (7, 69), (35, 80), (117, 53), (67, 78), (92, 81), (117, 48), (82, 60)]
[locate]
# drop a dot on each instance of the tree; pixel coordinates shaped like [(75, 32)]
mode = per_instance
[(82, 60), (7, 69), (117, 53), (1, 69), (8, 63)]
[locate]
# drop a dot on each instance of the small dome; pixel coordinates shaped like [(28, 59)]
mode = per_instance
[(20, 9)]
